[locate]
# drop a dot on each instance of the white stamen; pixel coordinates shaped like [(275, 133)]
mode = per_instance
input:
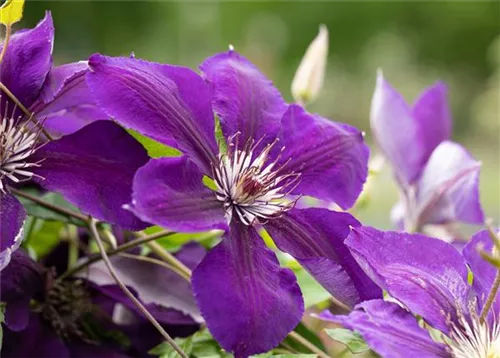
[(249, 186), (17, 144), (473, 339)]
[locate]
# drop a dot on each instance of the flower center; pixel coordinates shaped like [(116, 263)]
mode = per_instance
[(66, 305), (251, 185), (472, 339), (17, 144)]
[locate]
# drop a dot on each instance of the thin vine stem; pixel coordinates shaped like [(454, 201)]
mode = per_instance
[(26, 111), (50, 206), (93, 230), (166, 256), (122, 248), (8, 32), (302, 340), (154, 261), (491, 297)]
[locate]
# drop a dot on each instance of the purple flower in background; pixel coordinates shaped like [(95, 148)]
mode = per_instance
[(166, 295), (438, 178), (45, 318), (429, 278), (275, 152), (92, 167)]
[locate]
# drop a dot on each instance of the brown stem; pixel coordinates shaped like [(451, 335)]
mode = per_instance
[(93, 230), (154, 261), (169, 258), (50, 206), (8, 32), (126, 246), (25, 110), (298, 338)]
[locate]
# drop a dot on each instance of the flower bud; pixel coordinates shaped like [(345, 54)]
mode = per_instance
[(308, 79)]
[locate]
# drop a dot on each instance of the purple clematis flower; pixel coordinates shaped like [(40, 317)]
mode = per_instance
[(92, 166), (429, 278), (47, 314), (275, 152), (438, 178)]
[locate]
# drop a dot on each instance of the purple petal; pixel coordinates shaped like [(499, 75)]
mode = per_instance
[(168, 103), (12, 216), (331, 157), (191, 254), (153, 283), (432, 114), (38, 340), (58, 78), (391, 331), (17, 314), (66, 103), (484, 272), (93, 169), (427, 275), (396, 132), (20, 282), (169, 192), (315, 237), (27, 62), (448, 189), (244, 99), (249, 303)]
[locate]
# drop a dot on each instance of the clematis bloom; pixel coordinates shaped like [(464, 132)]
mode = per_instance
[(429, 278), (275, 152), (439, 179), (92, 165)]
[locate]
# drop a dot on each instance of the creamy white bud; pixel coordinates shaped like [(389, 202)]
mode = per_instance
[(309, 77)]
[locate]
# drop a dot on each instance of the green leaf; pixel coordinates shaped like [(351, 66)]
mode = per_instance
[(44, 237), (199, 345), (43, 213), (11, 12), (352, 340), (165, 350), (219, 136), (155, 149)]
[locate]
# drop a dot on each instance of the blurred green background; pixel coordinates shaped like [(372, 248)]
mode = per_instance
[(415, 43)]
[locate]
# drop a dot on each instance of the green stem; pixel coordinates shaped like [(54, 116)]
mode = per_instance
[(119, 249), (169, 258), (74, 245), (298, 338), (155, 262), (93, 230), (491, 297)]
